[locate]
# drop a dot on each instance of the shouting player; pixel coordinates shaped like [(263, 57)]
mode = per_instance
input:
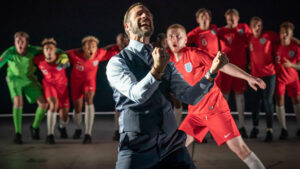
[(85, 63), (21, 79), (212, 113)]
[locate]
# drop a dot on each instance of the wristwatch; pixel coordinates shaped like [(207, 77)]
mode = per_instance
[(209, 74)]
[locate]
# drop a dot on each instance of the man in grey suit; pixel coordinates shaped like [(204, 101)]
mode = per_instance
[(142, 79)]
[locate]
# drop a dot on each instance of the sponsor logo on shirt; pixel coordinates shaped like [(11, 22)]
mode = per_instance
[(262, 41), (291, 53), (241, 31), (250, 47), (188, 67), (213, 31), (95, 63), (204, 43), (44, 71)]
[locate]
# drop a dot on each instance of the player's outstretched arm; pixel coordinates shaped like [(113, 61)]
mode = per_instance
[(235, 71)]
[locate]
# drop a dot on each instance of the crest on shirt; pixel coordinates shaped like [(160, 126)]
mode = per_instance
[(95, 63), (229, 40), (241, 31), (213, 31), (59, 68), (250, 47), (291, 53), (204, 42), (188, 67), (262, 40)]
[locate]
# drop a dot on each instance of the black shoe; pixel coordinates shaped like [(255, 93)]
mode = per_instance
[(243, 132), (254, 133), (298, 133), (269, 137), (50, 139), (77, 134), (87, 139), (116, 136), (35, 133), (204, 141), (18, 139), (284, 134), (63, 132)]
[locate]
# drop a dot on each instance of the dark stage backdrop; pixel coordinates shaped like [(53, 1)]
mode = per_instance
[(68, 21)]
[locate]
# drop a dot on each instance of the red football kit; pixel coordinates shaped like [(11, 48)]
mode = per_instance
[(205, 39), (234, 43), (261, 51), (287, 78), (55, 81), (84, 71), (112, 51), (212, 113)]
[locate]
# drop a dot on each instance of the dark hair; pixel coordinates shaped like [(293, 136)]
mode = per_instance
[(202, 10), (287, 25)]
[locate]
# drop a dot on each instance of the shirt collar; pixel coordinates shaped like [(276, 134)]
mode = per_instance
[(137, 46)]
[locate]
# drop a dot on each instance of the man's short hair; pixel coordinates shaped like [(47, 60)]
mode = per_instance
[(202, 10), (176, 26), (89, 38), (126, 16), (287, 25), (48, 41), (160, 37), (255, 19), (232, 11), (22, 34)]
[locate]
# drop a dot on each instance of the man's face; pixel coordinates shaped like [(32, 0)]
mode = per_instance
[(232, 20), (122, 41), (49, 51), (164, 43), (21, 44), (256, 27), (286, 34), (89, 49), (140, 21), (176, 39), (204, 20)]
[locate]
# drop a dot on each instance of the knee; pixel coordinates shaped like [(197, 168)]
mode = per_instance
[(18, 102), (89, 98), (242, 151)]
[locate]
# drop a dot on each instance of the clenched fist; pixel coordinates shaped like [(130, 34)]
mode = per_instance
[(219, 61), (160, 61)]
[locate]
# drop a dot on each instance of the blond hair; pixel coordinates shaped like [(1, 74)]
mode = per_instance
[(22, 34), (89, 38), (177, 26), (232, 11)]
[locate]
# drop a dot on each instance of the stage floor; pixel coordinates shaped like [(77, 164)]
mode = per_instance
[(102, 153)]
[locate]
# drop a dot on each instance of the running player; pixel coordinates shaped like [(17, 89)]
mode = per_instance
[(233, 40), (212, 113), (85, 63), (205, 35), (55, 85), (112, 50), (261, 52), (20, 78), (287, 79)]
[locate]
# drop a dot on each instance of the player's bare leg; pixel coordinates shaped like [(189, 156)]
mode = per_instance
[(280, 111), (89, 116), (239, 147), (77, 117)]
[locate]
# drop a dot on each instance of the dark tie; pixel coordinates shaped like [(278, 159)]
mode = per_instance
[(149, 50)]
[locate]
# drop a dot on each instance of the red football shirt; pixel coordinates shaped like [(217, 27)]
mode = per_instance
[(193, 66), (83, 68), (112, 51), (292, 53), (205, 39), (234, 42), (52, 72), (261, 52)]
